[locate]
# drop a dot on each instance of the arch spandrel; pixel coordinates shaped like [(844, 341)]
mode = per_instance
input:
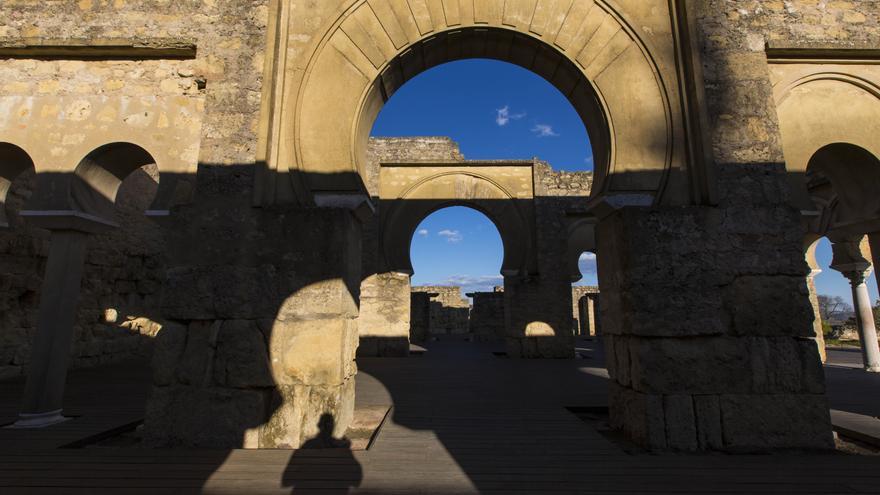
[(820, 105), (409, 194), (584, 47), (59, 132)]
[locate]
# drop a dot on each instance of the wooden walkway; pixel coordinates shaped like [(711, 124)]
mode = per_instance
[(464, 421)]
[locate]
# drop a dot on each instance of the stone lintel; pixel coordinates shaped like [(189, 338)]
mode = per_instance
[(110, 48), (68, 220)]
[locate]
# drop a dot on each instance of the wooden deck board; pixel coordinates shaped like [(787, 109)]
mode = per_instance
[(464, 421)]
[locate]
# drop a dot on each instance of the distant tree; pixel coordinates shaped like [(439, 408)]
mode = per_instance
[(877, 314), (833, 307)]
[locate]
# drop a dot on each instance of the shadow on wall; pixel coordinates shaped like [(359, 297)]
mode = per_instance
[(120, 286), (260, 307)]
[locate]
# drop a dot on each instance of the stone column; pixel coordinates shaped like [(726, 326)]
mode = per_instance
[(591, 316), (817, 318), (865, 318), (849, 260), (50, 352), (874, 243)]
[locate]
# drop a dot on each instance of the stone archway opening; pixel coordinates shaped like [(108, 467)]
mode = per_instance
[(585, 296), (841, 182), (457, 253)]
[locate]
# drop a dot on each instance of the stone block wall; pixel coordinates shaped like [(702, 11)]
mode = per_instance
[(384, 318), (117, 316), (715, 350), (261, 334), (123, 272), (449, 312), (419, 316), (486, 322), (559, 183), (403, 149)]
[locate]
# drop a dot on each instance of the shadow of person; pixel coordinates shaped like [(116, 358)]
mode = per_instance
[(323, 463)]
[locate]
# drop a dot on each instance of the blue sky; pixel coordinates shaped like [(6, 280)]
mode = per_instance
[(496, 110)]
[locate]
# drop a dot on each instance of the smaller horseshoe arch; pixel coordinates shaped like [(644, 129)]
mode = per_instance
[(430, 188)]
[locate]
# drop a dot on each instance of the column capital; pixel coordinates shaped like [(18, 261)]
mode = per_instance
[(856, 275), (850, 260)]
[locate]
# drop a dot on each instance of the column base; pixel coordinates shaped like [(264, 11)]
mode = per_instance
[(872, 369), (38, 420)]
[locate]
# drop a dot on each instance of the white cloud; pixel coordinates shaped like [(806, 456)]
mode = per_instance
[(503, 116), (589, 160), (451, 235), (474, 283), (423, 232), (544, 130)]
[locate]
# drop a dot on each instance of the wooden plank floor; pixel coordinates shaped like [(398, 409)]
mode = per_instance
[(464, 421)]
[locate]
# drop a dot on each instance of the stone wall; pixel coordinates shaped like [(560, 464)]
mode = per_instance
[(123, 271), (258, 324), (549, 182), (384, 318), (117, 316), (419, 316), (486, 322), (449, 312), (716, 353), (407, 149)]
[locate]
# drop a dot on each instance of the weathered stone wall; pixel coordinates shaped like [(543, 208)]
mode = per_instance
[(123, 272), (486, 322), (230, 37), (406, 149), (549, 182), (118, 307), (384, 318), (449, 312), (419, 316), (716, 353), (259, 325), (734, 35)]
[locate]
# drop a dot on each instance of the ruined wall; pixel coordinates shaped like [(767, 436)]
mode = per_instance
[(419, 316), (124, 268), (487, 316), (449, 312), (549, 182), (384, 317), (117, 313)]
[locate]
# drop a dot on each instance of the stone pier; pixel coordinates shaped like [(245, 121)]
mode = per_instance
[(716, 353), (261, 336)]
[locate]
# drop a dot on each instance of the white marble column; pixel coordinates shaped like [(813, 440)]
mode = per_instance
[(849, 260), (50, 351), (865, 319)]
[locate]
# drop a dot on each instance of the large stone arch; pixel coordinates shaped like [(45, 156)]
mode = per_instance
[(821, 108), (586, 48), (401, 216)]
